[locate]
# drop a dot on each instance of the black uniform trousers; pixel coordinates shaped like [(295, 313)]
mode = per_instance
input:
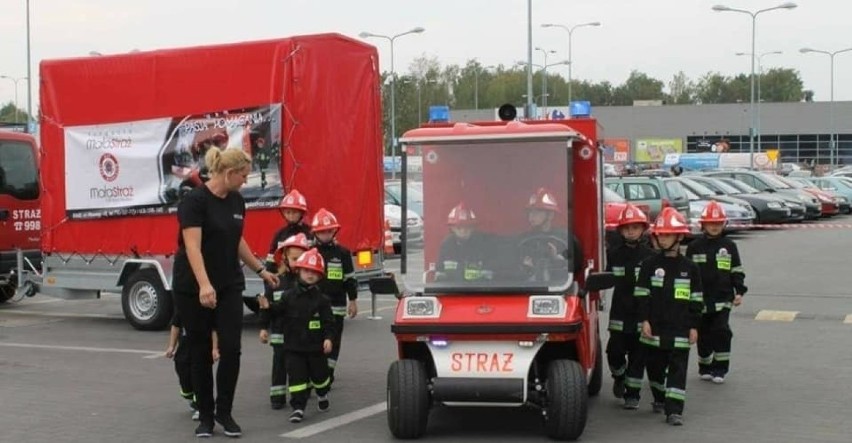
[(714, 343), (667, 373), (626, 358), (278, 388), (306, 370), (183, 369), (335, 343), (200, 322)]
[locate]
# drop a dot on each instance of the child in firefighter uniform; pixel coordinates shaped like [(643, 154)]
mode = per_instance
[(723, 279), (339, 284), (624, 352), (293, 208), (669, 301), (178, 350), (308, 331), (464, 255), (271, 325)]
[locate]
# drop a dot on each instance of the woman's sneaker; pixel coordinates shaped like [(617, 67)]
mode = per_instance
[(204, 429), (232, 429), (322, 403), (297, 416)]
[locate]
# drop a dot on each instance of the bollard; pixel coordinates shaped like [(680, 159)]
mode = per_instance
[(373, 315)]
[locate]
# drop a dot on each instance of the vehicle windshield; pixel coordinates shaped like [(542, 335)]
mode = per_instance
[(18, 171), (611, 196), (743, 187), (698, 188), (775, 182), (414, 195), (497, 218)]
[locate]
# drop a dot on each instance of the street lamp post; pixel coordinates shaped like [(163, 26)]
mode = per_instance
[(476, 84), (391, 39), (759, 75), (29, 73), (529, 62), (15, 81), (723, 8), (544, 69), (419, 103), (544, 80), (832, 144), (570, 30)]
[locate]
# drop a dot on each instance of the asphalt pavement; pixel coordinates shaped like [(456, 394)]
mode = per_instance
[(75, 371)]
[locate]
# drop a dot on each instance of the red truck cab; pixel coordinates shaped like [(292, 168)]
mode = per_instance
[(20, 214)]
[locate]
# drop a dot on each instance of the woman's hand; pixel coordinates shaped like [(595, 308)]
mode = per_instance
[(326, 346), (207, 296), (270, 278)]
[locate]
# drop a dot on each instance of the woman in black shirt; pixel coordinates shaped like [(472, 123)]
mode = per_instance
[(208, 282)]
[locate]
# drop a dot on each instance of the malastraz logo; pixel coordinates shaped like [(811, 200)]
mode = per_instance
[(108, 166), (110, 139)]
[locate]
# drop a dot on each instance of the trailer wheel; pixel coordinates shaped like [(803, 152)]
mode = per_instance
[(408, 399), (146, 304), (596, 381), (567, 400)]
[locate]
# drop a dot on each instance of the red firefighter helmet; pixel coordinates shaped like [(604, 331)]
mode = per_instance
[(311, 260), (461, 216), (299, 240), (543, 200), (670, 222), (713, 213), (324, 220), (294, 200), (630, 215)]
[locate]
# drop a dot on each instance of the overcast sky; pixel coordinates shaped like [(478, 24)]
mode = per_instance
[(659, 37)]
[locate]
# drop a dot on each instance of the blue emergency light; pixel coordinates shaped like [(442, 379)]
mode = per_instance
[(439, 114), (580, 108)]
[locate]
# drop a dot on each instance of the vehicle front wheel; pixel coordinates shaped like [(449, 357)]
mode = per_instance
[(146, 304), (408, 399), (567, 400)]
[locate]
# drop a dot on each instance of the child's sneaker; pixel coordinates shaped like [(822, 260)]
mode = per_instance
[(297, 416), (322, 403), (631, 403), (658, 407), (707, 377), (718, 379), (277, 405), (196, 415), (618, 387), (674, 419)]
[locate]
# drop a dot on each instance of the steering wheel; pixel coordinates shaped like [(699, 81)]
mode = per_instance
[(532, 247)]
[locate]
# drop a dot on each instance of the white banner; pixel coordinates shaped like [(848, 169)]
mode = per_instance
[(114, 165)]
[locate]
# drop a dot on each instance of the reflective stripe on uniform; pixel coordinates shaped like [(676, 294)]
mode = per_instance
[(276, 339), (699, 258), (616, 325), (618, 372), (635, 383), (323, 384), (641, 292), (187, 395), (705, 360), (658, 386), (723, 356), (653, 341), (277, 391), (338, 310), (681, 343), (298, 388), (618, 271), (696, 297), (332, 363), (675, 393), (722, 306), (738, 269)]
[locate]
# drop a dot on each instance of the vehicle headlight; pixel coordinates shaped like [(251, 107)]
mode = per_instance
[(394, 222), (774, 205), (840, 199), (422, 307), (546, 306)]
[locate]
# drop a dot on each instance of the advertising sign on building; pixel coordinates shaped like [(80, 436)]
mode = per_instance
[(654, 150), (616, 150)]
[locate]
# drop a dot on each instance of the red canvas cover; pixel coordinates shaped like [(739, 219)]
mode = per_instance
[(330, 136)]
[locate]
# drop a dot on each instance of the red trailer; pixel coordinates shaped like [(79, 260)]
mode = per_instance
[(123, 137)]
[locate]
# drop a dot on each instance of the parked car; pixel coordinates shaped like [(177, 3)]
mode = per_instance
[(769, 209), (657, 193), (393, 195), (739, 218), (614, 204), (393, 214), (840, 185), (832, 204), (772, 184), (703, 192)]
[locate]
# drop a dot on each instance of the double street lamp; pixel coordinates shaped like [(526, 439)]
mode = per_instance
[(391, 39), (543, 79), (15, 81), (832, 144), (759, 75), (570, 30), (723, 8)]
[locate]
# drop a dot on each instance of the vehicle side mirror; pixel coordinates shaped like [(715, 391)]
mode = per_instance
[(599, 281), (384, 285)]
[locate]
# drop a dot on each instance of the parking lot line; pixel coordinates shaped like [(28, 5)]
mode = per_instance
[(767, 315), (59, 314), (848, 319), (80, 348), (336, 422)]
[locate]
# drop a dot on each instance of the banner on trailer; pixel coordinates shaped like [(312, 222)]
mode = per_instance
[(144, 167)]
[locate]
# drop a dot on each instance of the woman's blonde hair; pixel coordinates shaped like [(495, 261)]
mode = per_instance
[(220, 160)]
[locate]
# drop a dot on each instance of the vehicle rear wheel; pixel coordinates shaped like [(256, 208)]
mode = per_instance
[(408, 399), (146, 304), (596, 381), (567, 400)]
